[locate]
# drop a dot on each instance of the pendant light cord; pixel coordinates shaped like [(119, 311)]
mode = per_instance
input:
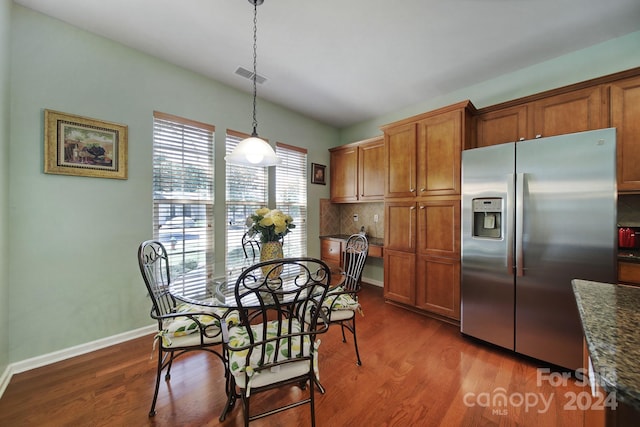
[(255, 64)]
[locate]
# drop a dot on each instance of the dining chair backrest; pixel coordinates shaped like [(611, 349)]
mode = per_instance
[(354, 257), (281, 287), (154, 266), (250, 246), (299, 289)]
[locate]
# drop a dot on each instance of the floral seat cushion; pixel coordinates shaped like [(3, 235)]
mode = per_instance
[(247, 376), (180, 327)]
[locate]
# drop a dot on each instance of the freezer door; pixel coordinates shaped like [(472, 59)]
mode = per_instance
[(487, 288), (565, 230)]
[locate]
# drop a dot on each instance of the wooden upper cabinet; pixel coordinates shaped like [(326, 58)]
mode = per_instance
[(625, 117), (344, 174), (400, 161), (371, 170), (439, 147), (502, 126), (357, 171), (576, 111), (423, 153)]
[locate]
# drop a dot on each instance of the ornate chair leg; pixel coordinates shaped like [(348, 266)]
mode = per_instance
[(152, 411), (355, 341)]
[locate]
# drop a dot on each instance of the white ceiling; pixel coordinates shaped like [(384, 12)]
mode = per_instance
[(345, 61)]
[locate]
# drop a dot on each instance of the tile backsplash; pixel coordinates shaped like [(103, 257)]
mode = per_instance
[(339, 218), (629, 210)]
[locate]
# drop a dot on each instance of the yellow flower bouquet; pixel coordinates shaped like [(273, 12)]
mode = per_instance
[(271, 224)]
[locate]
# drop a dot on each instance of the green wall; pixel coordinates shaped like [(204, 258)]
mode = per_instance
[(5, 14), (73, 269)]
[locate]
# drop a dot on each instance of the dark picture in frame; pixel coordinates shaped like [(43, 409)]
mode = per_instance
[(318, 174)]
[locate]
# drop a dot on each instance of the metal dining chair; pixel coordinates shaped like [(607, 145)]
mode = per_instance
[(182, 327), (275, 345), (342, 302)]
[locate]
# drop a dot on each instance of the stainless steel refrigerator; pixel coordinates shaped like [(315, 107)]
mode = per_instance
[(535, 215)]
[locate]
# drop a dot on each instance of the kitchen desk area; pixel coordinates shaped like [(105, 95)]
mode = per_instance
[(331, 247), (610, 320)]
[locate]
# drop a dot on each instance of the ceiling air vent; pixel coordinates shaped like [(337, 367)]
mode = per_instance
[(241, 71)]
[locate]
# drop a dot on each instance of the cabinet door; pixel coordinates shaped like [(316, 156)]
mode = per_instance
[(439, 228), (399, 276), (400, 226), (576, 111), (344, 175), (625, 117), (400, 161), (499, 127), (439, 150), (438, 286), (371, 171)]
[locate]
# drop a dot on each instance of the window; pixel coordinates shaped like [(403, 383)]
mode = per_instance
[(183, 196), (245, 193), (291, 196)]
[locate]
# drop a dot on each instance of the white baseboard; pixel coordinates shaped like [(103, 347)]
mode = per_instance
[(373, 282), (57, 356)]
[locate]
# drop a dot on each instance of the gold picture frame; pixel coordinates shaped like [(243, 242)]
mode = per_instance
[(81, 146)]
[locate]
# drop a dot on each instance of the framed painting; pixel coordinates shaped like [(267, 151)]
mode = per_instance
[(81, 146), (317, 173)]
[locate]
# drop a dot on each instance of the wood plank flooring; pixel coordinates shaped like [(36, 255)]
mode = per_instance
[(416, 371)]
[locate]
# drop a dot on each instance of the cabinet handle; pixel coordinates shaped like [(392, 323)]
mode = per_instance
[(538, 136), (421, 207), (412, 190), (423, 189)]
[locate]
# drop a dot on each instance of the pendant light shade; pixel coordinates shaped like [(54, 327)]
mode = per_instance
[(254, 151)]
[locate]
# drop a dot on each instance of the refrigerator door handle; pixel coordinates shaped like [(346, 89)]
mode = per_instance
[(519, 224), (509, 215)]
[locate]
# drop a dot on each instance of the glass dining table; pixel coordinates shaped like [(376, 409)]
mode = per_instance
[(219, 291)]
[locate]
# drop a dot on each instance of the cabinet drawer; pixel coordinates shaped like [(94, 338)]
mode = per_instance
[(375, 251), (330, 250), (629, 272)]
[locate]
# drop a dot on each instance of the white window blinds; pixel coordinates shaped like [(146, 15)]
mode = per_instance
[(183, 186), (291, 196), (246, 191)]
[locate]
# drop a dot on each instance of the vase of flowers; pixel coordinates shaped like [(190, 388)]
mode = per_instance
[(272, 225)]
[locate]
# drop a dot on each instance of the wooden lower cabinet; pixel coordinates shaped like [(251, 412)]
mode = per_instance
[(438, 286), (331, 252), (399, 276), (629, 273)]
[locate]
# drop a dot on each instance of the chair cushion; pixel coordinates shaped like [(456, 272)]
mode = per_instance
[(340, 301), (238, 337), (180, 327)]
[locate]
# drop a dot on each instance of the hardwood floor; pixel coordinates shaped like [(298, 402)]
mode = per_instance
[(416, 371)]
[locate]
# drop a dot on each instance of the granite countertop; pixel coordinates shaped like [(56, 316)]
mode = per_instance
[(611, 322), (375, 241)]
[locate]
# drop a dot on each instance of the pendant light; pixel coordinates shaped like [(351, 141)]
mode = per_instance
[(254, 151)]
